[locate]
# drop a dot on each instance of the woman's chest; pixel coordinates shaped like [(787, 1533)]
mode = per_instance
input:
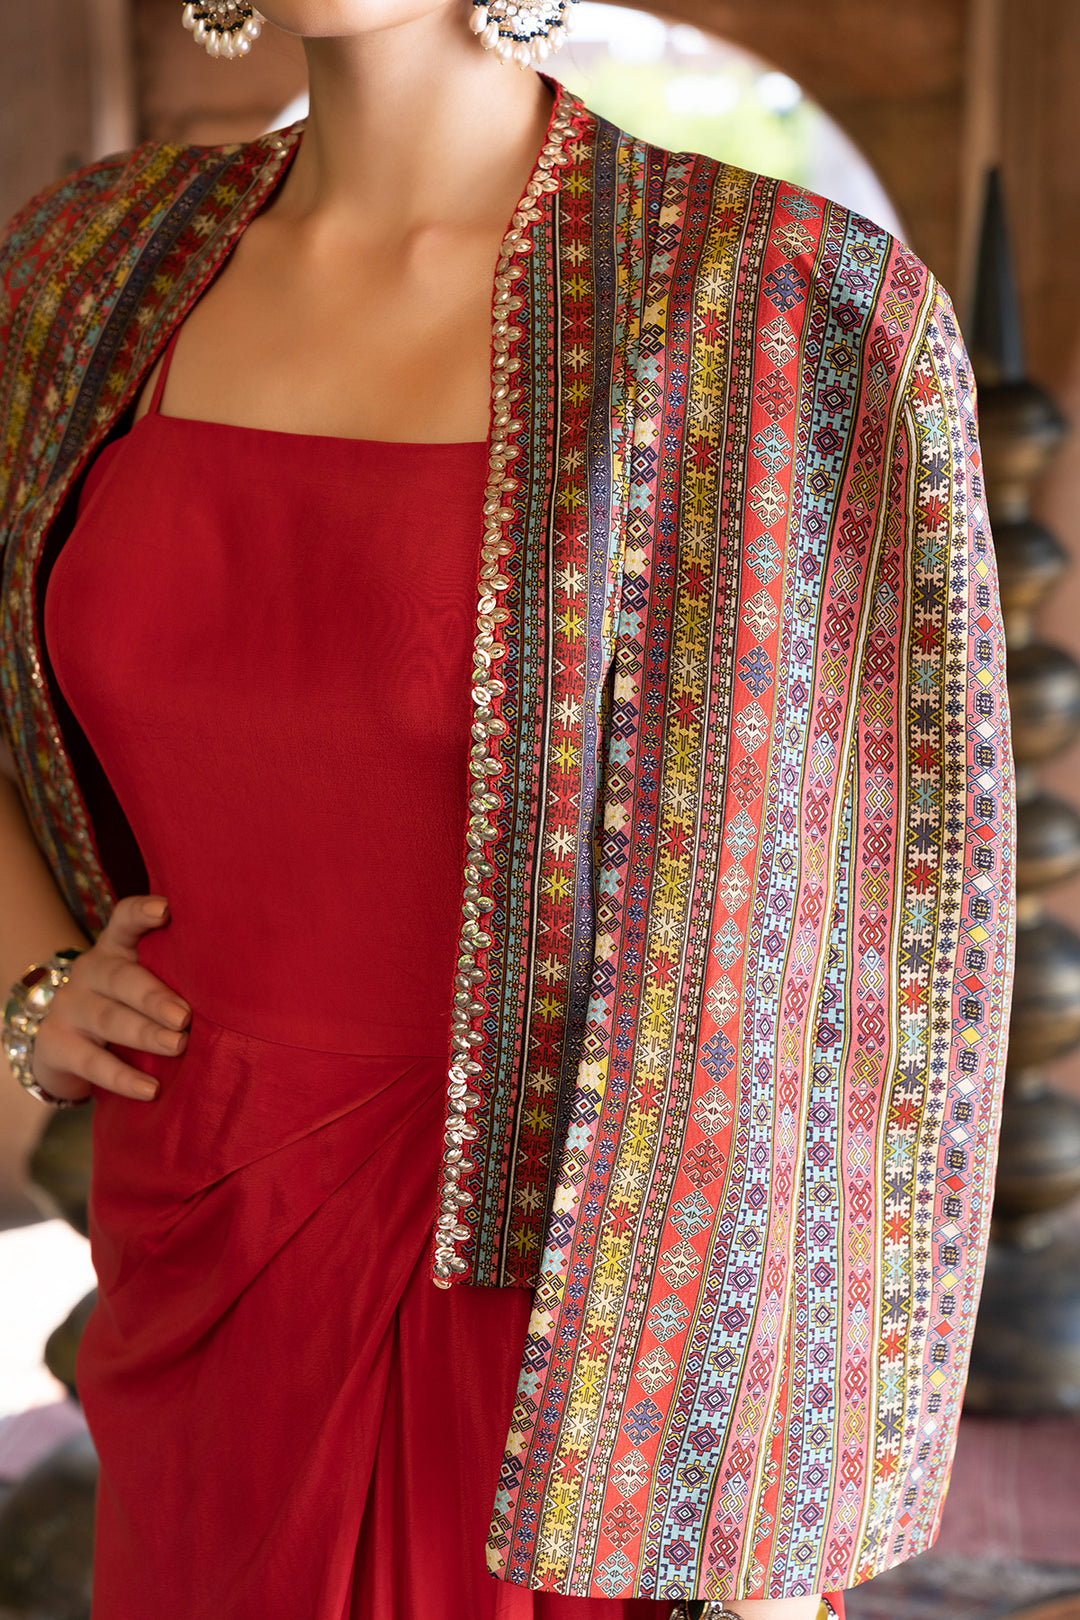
[(386, 346), (274, 577)]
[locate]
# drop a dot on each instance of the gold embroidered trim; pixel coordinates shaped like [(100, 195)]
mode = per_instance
[(487, 689)]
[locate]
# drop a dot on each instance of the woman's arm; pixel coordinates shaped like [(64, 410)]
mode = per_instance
[(34, 921), (109, 996)]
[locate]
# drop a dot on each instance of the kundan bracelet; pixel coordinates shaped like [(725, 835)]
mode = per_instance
[(29, 999)]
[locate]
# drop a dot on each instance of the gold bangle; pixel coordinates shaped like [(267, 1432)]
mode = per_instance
[(29, 999)]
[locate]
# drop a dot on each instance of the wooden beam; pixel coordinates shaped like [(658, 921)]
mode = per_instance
[(111, 67), (981, 141)]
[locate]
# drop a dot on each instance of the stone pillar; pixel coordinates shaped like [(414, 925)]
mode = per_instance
[(1026, 1353)]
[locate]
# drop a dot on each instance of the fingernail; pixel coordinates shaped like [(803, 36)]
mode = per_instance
[(147, 1089), (171, 1043), (177, 1014), (156, 909)]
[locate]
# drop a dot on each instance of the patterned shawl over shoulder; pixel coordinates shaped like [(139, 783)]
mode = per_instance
[(737, 914)]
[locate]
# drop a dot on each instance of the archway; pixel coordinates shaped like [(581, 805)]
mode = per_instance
[(688, 90)]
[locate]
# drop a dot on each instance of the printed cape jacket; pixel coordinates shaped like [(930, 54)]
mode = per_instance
[(736, 942)]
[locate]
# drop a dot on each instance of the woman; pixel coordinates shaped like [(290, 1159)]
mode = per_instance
[(689, 819)]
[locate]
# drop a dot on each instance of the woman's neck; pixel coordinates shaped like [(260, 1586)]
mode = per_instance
[(410, 125)]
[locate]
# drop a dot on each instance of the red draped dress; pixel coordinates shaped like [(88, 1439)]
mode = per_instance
[(266, 638)]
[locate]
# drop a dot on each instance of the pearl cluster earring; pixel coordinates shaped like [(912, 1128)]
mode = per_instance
[(226, 28), (521, 31)]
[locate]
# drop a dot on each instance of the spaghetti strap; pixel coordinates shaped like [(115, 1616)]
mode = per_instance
[(154, 408)]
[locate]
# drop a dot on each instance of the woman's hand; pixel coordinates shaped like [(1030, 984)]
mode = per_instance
[(110, 996)]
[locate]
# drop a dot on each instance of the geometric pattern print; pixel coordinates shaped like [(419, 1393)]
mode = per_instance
[(593, 331), (662, 661), (956, 943), (540, 925), (732, 1386), (753, 836)]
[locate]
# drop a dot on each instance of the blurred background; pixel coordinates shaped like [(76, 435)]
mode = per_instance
[(956, 124)]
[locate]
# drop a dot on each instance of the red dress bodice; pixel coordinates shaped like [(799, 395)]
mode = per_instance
[(266, 638)]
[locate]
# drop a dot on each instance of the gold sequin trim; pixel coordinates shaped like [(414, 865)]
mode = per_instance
[(487, 689)]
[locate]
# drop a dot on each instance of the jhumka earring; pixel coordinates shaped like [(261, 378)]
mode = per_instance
[(225, 27), (521, 31)]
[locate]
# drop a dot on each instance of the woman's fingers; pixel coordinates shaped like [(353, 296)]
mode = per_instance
[(86, 1061), (65, 1060), (138, 988), (131, 918), (110, 998), (110, 970), (105, 1069), (118, 1025)]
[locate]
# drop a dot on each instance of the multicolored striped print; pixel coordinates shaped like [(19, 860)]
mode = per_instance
[(739, 1035)]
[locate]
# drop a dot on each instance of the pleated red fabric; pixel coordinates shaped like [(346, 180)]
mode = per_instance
[(266, 638)]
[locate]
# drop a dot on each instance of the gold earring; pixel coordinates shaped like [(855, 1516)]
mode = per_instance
[(225, 28)]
